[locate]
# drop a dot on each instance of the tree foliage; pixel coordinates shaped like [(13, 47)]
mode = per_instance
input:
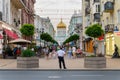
[(94, 31), (71, 38), (47, 37), (27, 30)]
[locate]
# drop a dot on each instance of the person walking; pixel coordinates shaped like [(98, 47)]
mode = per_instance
[(61, 54), (78, 52), (74, 51), (15, 52), (115, 54), (69, 52), (46, 52)]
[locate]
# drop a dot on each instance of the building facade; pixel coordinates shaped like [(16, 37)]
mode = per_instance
[(75, 26), (28, 12), (110, 19), (10, 21), (42, 25), (92, 15)]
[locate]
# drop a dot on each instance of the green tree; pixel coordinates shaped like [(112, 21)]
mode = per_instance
[(74, 37), (94, 31), (47, 37), (27, 31)]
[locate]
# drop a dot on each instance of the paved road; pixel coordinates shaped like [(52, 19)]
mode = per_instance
[(59, 75)]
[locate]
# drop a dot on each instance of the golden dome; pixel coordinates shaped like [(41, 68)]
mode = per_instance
[(61, 25)]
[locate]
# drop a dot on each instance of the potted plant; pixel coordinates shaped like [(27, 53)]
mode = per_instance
[(96, 60), (27, 60)]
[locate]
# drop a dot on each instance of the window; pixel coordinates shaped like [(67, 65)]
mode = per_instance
[(118, 16), (98, 8)]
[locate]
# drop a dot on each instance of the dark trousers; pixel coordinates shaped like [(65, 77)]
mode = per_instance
[(61, 60), (115, 55)]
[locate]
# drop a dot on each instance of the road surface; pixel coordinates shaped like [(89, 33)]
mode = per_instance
[(58, 75)]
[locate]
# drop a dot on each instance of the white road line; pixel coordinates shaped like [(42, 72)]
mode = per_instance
[(54, 76), (88, 75)]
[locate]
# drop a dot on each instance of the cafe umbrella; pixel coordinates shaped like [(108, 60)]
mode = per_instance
[(19, 41)]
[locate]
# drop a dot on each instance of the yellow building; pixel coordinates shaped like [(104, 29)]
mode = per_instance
[(110, 19), (91, 15)]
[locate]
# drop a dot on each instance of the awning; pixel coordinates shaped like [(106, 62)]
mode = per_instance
[(11, 34)]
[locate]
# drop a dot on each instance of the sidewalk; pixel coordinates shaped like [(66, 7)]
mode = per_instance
[(53, 63)]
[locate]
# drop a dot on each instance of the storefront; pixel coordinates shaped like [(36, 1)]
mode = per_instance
[(6, 34), (117, 39), (88, 45), (110, 41)]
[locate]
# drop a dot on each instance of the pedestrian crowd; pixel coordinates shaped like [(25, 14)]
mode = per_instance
[(71, 52)]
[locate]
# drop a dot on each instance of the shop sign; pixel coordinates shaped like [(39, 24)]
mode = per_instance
[(117, 33)]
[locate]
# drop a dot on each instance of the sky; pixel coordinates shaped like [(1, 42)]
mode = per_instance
[(57, 9)]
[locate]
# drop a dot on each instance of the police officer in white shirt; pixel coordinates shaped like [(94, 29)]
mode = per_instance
[(61, 54)]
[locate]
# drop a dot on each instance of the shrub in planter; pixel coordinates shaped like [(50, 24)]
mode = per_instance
[(91, 56), (100, 55), (27, 60), (93, 61), (27, 53)]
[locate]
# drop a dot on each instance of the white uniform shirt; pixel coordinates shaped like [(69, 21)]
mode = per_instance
[(60, 53)]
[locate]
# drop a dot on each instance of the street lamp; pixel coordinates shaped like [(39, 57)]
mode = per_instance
[(79, 30), (39, 32)]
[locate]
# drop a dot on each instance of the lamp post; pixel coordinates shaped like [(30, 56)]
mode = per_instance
[(41, 32), (79, 30), (4, 44)]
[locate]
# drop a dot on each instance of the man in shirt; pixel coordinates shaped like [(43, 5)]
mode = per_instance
[(61, 54)]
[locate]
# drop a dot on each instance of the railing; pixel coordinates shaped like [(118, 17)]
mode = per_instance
[(96, 1), (109, 28), (87, 0)]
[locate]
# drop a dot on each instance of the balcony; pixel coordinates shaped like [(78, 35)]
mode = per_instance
[(108, 6), (18, 3), (97, 17), (96, 1), (87, 10), (87, 0), (109, 28)]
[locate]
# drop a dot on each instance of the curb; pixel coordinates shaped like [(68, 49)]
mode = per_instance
[(59, 69)]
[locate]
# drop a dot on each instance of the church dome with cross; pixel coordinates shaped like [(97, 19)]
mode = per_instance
[(61, 24)]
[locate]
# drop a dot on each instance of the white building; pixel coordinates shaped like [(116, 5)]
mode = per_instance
[(42, 25), (75, 26), (10, 19)]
